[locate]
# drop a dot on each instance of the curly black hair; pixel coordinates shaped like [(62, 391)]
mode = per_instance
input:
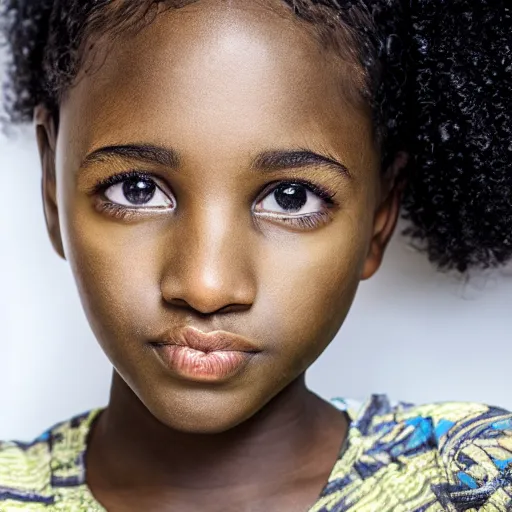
[(437, 75)]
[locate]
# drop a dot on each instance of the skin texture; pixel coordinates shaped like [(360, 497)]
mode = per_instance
[(219, 84)]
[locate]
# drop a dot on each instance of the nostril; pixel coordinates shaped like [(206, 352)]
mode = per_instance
[(180, 303), (202, 312), (234, 308)]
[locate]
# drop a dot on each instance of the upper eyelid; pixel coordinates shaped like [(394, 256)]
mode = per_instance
[(120, 177), (319, 191), (115, 179)]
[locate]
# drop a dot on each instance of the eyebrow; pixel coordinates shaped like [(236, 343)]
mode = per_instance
[(146, 153), (284, 159), (275, 160)]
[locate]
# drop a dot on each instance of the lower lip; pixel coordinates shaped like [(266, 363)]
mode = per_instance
[(201, 366)]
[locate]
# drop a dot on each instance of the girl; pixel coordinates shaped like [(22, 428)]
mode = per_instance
[(221, 175)]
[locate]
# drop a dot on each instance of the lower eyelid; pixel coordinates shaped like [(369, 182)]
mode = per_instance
[(113, 210), (310, 220), (119, 211)]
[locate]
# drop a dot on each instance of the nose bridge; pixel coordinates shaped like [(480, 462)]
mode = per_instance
[(216, 246), (211, 266)]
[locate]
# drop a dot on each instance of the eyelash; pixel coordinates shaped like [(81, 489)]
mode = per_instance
[(309, 221), (322, 193), (117, 211), (303, 222), (119, 178)]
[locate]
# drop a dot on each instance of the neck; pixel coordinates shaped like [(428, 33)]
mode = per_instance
[(134, 449)]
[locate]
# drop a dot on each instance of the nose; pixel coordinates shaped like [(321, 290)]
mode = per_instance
[(209, 265)]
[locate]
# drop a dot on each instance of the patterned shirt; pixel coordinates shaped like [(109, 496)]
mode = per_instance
[(396, 458)]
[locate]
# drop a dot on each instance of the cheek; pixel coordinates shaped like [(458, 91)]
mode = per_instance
[(309, 288), (116, 268)]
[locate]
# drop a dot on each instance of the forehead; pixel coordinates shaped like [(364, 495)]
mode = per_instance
[(216, 72)]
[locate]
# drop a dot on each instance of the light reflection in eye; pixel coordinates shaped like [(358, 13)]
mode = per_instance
[(137, 192), (292, 198)]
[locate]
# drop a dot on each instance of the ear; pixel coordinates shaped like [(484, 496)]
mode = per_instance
[(387, 214), (46, 134)]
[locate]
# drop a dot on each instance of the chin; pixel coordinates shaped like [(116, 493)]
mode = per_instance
[(201, 412)]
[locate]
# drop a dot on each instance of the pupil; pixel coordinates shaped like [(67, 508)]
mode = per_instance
[(139, 191), (291, 197)]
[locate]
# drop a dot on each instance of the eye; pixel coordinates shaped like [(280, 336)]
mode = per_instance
[(294, 199), (137, 192)]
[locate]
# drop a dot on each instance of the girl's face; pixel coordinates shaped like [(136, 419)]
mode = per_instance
[(214, 171)]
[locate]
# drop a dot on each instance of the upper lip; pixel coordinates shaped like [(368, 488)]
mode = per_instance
[(207, 342)]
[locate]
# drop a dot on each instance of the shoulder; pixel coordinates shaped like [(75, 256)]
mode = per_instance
[(25, 471), (472, 444), (30, 471)]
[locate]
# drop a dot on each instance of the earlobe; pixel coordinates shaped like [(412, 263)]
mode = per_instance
[(387, 215), (46, 134)]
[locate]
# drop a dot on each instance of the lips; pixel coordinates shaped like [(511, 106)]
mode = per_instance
[(209, 342), (208, 357)]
